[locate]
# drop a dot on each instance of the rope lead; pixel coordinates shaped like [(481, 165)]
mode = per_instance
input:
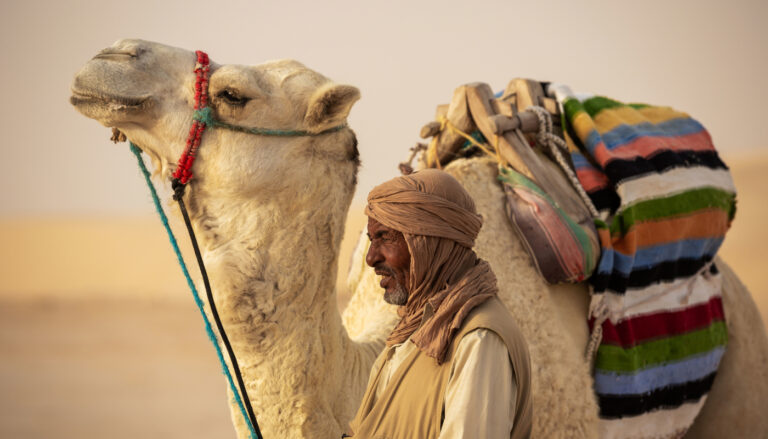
[(178, 189)]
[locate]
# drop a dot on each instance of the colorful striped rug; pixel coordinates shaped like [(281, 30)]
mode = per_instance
[(666, 201)]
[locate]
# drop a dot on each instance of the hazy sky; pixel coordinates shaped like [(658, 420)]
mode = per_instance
[(704, 57)]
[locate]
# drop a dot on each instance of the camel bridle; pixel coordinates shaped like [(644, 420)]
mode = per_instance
[(181, 176)]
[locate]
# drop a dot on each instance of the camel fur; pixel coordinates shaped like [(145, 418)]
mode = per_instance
[(269, 213)]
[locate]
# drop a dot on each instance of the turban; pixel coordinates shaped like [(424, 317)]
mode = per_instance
[(438, 219), (429, 203)]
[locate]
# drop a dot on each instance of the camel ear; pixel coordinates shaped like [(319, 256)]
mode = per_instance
[(329, 106)]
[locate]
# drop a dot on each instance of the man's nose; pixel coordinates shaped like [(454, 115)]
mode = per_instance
[(373, 256)]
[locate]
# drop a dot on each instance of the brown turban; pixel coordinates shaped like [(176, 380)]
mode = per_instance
[(437, 217)]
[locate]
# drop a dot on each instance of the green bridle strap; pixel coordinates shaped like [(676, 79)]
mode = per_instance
[(205, 116)]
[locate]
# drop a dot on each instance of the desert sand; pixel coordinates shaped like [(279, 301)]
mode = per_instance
[(99, 337)]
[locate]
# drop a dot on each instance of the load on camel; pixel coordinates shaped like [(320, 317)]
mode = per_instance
[(269, 215)]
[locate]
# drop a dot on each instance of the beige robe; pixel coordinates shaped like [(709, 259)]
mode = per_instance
[(481, 391), (482, 385)]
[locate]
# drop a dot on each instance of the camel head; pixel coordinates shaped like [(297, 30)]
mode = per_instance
[(146, 90)]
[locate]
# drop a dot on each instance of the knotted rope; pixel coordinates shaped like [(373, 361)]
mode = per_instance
[(599, 310), (546, 136), (492, 151)]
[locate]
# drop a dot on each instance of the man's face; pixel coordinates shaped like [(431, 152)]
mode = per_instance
[(390, 258)]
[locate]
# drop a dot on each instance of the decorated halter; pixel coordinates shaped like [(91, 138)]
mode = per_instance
[(204, 118), (181, 176), (183, 171)]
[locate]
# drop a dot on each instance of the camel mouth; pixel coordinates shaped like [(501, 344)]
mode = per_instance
[(82, 98), (109, 108)]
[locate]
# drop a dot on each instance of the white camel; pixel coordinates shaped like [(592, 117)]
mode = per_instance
[(269, 213)]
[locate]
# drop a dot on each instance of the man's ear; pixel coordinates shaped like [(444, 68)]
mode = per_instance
[(329, 106)]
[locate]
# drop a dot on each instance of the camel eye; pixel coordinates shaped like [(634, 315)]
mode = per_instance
[(232, 98)]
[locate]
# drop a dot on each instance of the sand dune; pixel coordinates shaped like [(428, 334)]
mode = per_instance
[(99, 337)]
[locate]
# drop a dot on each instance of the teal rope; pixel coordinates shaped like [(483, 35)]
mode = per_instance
[(205, 116), (208, 329), (478, 136)]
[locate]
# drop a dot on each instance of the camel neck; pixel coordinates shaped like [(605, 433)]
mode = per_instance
[(269, 263), (271, 256)]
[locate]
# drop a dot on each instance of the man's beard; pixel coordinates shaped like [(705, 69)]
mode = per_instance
[(398, 296)]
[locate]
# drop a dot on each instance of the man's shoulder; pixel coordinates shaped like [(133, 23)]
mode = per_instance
[(479, 337), (493, 315)]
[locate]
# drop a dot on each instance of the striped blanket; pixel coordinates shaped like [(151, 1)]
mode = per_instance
[(666, 201)]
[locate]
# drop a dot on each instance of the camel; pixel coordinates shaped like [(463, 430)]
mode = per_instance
[(269, 213)]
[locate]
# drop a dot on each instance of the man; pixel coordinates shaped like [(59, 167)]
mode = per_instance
[(456, 365)]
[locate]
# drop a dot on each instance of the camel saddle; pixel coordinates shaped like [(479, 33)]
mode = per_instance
[(542, 204)]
